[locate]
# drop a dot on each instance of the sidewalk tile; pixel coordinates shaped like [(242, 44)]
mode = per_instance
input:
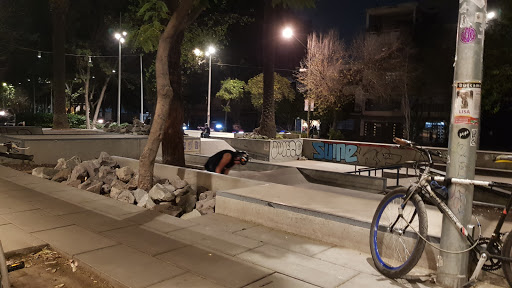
[(352, 259), (96, 222), (77, 196), (3, 221), (58, 207), (47, 187), (36, 220), (74, 240), (13, 238), (365, 280), (144, 240), (109, 206), (159, 222), (277, 280), (299, 266), (10, 205), (223, 222), (217, 240), (187, 280), (285, 240), (128, 266), (224, 270)]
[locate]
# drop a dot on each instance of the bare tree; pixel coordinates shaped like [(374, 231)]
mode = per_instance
[(325, 73)]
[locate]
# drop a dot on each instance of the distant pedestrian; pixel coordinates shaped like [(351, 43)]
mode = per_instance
[(222, 161)]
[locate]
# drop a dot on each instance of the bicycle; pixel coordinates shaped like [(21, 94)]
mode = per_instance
[(5, 269), (402, 216)]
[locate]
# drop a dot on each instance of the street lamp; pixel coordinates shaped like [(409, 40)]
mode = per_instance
[(120, 38), (288, 33), (211, 50)]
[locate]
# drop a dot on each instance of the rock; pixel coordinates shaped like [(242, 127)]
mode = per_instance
[(158, 193), (95, 187), (109, 179), (62, 175), (191, 215), (73, 183), (206, 206), (139, 193), (186, 202), (137, 129), (115, 192), (61, 164), (78, 173), (137, 123), (179, 183), (129, 128), (105, 189), (106, 160), (44, 172), (146, 202), (169, 187), (167, 208), (124, 174), (104, 171), (126, 196), (201, 189), (118, 184), (208, 195), (85, 184), (133, 183), (92, 167), (158, 180), (122, 130), (182, 191)]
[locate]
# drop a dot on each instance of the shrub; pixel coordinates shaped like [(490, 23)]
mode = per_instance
[(76, 121), (335, 134), (44, 120)]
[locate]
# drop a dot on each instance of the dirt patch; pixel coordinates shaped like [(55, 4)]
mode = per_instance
[(48, 268), (26, 166)]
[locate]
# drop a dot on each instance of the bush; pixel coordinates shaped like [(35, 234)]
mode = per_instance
[(335, 134), (44, 120), (76, 121)]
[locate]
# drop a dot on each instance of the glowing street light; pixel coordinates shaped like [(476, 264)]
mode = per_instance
[(120, 38), (211, 50), (288, 33), (491, 15)]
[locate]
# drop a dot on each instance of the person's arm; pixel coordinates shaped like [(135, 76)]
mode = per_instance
[(226, 158)]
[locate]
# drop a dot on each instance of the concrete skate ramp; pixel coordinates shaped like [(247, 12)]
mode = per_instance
[(211, 146), (285, 176)]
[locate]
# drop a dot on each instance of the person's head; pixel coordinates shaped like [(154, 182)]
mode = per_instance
[(242, 157)]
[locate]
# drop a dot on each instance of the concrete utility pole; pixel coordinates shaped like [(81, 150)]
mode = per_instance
[(464, 135)]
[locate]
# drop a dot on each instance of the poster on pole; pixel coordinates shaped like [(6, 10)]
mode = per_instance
[(309, 105), (466, 105)]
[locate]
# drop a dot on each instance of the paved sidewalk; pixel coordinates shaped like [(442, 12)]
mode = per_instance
[(134, 247)]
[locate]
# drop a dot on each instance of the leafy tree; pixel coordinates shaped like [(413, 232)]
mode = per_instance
[(59, 9), (184, 14), (282, 89), (268, 122), (231, 89)]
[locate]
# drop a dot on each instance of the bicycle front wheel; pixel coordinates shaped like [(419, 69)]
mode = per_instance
[(507, 252), (394, 245)]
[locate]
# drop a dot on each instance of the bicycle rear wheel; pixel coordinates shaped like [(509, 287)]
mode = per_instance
[(394, 245), (507, 252)]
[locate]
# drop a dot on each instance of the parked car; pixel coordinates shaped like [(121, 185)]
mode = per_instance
[(7, 117)]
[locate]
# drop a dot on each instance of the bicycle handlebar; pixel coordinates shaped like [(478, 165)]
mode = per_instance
[(403, 142)]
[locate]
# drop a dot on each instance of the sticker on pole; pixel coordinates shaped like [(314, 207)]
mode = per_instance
[(463, 133), (466, 108), (467, 35), (474, 137)]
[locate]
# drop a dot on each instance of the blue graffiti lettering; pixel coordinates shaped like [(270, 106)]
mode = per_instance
[(335, 152)]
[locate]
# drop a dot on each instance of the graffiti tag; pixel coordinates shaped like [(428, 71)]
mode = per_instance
[(286, 149), (335, 152)]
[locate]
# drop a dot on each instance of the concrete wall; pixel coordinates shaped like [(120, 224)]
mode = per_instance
[(21, 130), (47, 149), (195, 178), (377, 155), (269, 150)]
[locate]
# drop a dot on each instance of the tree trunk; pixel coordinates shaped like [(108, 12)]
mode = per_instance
[(226, 116), (173, 152), (179, 21), (268, 121), (59, 9), (87, 105), (98, 106)]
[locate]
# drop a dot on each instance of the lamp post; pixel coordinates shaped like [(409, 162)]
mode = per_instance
[(120, 38), (211, 50)]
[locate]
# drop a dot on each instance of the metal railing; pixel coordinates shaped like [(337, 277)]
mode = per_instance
[(382, 168)]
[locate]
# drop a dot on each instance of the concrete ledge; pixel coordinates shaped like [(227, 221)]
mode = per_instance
[(342, 220), (21, 130), (344, 180)]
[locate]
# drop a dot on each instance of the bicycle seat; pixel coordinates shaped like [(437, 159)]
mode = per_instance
[(503, 159)]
